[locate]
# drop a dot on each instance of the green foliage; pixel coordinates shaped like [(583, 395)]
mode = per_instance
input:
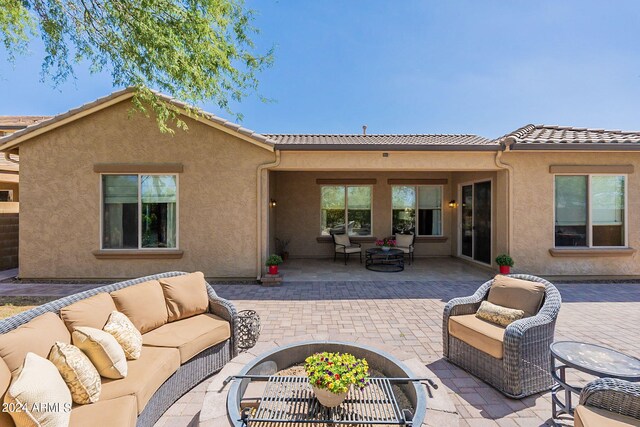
[(273, 260), (193, 50), (504, 260), (336, 372)]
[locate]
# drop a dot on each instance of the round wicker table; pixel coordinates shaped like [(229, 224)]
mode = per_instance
[(589, 358)]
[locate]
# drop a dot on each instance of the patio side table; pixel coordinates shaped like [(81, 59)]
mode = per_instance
[(589, 358), (390, 261)]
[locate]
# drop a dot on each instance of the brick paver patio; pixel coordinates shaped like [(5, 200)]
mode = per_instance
[(409, 313)]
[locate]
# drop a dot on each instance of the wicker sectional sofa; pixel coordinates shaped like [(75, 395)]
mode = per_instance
[(175, 357)]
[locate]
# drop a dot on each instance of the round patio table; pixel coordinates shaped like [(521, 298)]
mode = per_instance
[(391, 261), (589, 358)]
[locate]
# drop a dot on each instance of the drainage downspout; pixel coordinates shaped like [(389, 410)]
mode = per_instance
[(509, 169), (260, 206)]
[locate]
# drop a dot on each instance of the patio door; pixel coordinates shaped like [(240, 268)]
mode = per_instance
[(475, 221)]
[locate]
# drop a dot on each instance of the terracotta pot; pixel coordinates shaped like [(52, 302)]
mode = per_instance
[(505, 269), (328, 399), (273, 269)]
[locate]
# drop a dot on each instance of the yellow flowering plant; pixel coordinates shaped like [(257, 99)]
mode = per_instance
[(336, 372)]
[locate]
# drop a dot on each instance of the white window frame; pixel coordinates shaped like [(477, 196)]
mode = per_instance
[(589, 216), (415, 207), (140, 248), (346, 208)]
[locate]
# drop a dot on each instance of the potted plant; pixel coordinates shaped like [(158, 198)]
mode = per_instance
[(281, 248), (386, 243), (505, 262), (332, 375), (273, 262)]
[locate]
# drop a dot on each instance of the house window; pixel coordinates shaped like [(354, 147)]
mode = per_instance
[(345, 209), (426, 201), (6, 195), (139, 211), (590, 210)]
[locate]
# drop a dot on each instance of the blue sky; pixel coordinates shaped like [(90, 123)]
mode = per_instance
[(484, 67)]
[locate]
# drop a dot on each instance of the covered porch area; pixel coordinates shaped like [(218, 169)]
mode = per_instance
[(432, 269)]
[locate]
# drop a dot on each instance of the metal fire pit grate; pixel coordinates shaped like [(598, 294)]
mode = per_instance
[(289, 399)]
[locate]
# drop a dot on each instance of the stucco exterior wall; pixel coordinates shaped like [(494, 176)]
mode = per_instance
[(60, 200), (533, 213), (298, 211)]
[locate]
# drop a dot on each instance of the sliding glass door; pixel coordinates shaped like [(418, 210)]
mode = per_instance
[(475, 221)]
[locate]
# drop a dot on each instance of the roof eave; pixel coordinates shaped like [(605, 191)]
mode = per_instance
[(573, 147), (384, 147)]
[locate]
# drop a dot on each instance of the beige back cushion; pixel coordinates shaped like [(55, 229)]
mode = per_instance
[(404, 240), (516, 293), (185, 295), (342, 239), (5, 380), (36, 336), (143, 304), (93, 312)]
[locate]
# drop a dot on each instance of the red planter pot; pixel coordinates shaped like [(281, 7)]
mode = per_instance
[(273, 269), (505, 269)]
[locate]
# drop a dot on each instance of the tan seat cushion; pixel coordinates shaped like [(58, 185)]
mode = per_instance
[(143, 304), (121, 412), (38, 382), (587, 416), (36, 336), (145, 376), (190, 336), (348, 249), (516, 293), (93, 312), (5, 380), (185, 295), (479, 334)]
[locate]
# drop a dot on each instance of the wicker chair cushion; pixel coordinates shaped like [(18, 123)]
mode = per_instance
[(5, 380), (36, 336), (185, 295), (479, 334), (404, 240), (36, 382), (342, 239), (497, 314), (143, 304), (190, 336), (113, 412), (517, 293), (145, 376), (587, 416), (93, 312)]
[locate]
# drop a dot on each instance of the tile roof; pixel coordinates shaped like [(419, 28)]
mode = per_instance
[(20, 122), (7, 142), (398, 142), (559, 137)]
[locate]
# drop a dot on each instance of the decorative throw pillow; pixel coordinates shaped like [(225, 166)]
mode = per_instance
[(497, 314), (125, 332), (76, 369), (103, 350), (38, 396)]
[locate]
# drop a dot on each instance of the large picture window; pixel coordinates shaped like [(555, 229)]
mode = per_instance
[(417, 206), (139, 211), (345, 209), (590, 210)]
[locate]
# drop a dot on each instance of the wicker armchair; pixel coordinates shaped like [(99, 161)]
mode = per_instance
[(606, 399), (524, 367), (190, 373)]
